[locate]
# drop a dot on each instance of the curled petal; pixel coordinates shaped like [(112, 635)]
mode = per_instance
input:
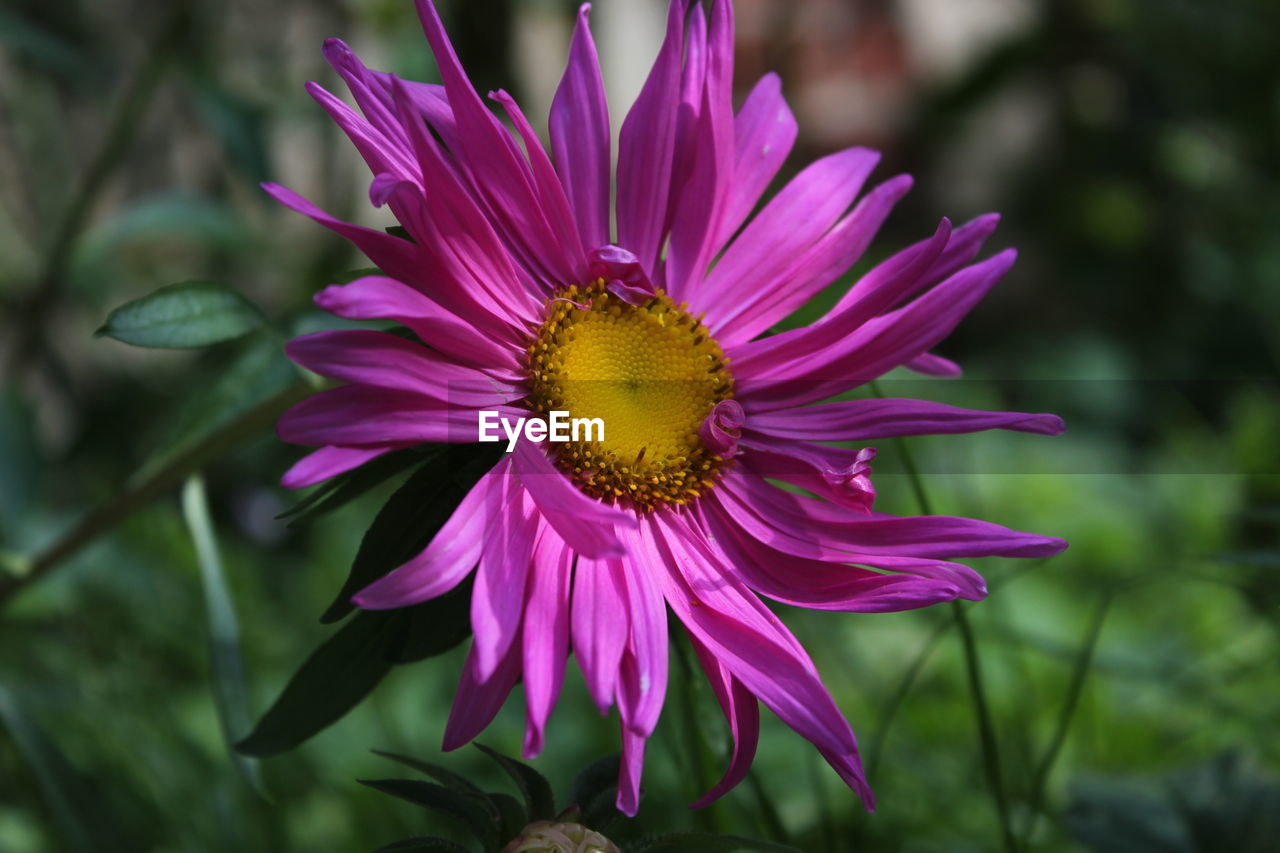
[(722, 428)]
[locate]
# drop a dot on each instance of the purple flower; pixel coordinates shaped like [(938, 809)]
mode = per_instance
[(528, 302)]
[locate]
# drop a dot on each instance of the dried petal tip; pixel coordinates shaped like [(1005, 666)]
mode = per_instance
[(549, 837), (722, 428)]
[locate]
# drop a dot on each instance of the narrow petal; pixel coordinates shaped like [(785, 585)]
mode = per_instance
[(499, 597), (580, 136), (792, 222), (385, 360), (589, 526), (452, 553), (365, 415), (702, 199), (642, 683), (546, 645), (754, 646), (748, 314), (930, 364), (601, 625), (859, 420), (394, 256), (807, 527), (764, 131), (646, 146), (633, 744), (477, 700), (494, 165), (320, 465), (821, 585), (742, 712), (381, 298)]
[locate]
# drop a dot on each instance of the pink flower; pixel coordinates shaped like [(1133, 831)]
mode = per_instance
[(528, 301)]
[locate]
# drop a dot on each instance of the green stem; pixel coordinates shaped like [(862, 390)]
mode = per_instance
[(137, 495), (973, 667), (1079, 673)]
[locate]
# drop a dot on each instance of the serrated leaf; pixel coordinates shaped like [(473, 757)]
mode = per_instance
[(442, 775), (701, 842), (475, 812), (533, 786), (329, 684), (186, 315), (411, 516)]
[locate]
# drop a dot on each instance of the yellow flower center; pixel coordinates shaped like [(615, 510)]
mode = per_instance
[(651, 373)]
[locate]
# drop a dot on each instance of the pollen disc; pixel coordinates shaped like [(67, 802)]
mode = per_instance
[(651, 372)]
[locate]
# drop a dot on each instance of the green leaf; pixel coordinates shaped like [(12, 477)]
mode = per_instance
[(345, 488), (597, 776), (475, 812), (411, 517), (433, 627), (701, 842), (329, 684), (513, 816), (445, 777), (191, 314), (533, 786), (226, 667), (443, 845)]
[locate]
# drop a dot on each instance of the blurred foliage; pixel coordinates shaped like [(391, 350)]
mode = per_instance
[(1144, 308)]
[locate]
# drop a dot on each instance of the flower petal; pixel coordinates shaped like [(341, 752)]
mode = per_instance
[(547, 645), (742, 712), (601, 625), (589, 526), (580, 136), (478, 700), (384, 360), (327, 462), (858, 420), (497, 602), (451, 554)]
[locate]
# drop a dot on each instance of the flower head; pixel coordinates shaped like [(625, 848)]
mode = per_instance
[(524, 300), (547, 836)]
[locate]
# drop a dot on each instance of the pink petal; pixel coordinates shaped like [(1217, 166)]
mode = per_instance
[(546, 645), (493, 163), (764, 131), (742, 712), (753, 645), (380, 298), (477, 700), (365, 415), (452, 553), (327, 462), (642, 683), (601, 624), (580, 138), (749, 314), (388, 361), (792, 222), (646, 149), (633, 744), (858, 420), (589, 526), (498, 600)]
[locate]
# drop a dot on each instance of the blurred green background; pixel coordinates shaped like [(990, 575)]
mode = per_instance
[(1134, 148)]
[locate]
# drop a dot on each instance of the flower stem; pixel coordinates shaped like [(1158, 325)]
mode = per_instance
[(973, 667), (137, 495)]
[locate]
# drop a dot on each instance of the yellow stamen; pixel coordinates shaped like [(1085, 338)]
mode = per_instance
[(651, 372)]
